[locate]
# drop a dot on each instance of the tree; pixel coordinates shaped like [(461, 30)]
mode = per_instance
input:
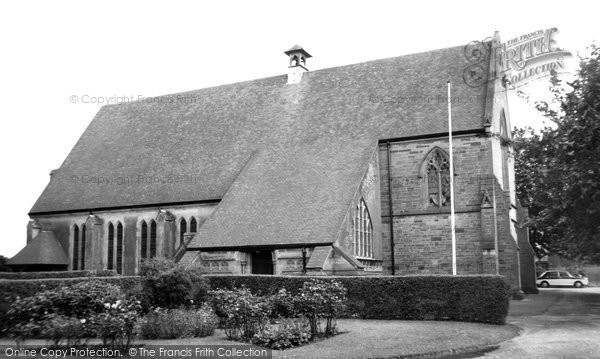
[(558, 169), (3, 266)]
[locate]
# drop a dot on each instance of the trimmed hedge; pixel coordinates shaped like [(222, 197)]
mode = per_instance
[(57, 274), (477, 298), (480, 298)]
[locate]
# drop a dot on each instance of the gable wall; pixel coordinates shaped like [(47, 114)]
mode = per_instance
[(422, 237)]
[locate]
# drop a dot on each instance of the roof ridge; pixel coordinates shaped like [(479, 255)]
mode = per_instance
[(284, 75)]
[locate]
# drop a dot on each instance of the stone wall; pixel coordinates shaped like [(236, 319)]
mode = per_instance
[(96, 251), (422, 236)]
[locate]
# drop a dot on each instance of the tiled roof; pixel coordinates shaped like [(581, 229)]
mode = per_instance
[(297, 193), (43, 249), (193, 146)]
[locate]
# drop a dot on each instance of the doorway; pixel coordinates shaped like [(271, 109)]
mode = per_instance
[(262, 262)]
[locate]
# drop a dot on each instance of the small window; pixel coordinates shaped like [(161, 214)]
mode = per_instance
[(111, 246), (75, 263), (193, 225), (152, 238), (182, 230), (82, 266), (144, 240), (119, 248)]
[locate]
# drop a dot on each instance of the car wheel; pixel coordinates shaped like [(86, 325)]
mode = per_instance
[(544, 284), (578, 284)]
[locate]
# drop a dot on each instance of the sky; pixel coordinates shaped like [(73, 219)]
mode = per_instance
[(59, 59)]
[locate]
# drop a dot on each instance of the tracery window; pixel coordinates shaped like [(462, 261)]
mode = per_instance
[(362, 231), (438, 179)]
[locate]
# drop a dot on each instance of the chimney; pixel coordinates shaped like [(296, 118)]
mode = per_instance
[(297, 66)]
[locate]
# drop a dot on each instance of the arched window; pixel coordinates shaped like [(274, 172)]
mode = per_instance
[(362, 231), (119, 248), (437, 172), (82, 267), (152, 238), (182, 230), (111, 246), (144, 240), (75, 265), (193, 225)]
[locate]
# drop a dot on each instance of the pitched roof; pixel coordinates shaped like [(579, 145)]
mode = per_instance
[(43, 249), (192, 146), (294, 194)]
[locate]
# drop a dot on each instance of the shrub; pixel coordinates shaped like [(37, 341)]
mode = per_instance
[(116, 324), (150, 267), (287, 334), (167, 285), (470, 298), (55, 313), (59, 328), (242, 313), (178, 323), (319, 299), (78, 301), (282, 305)]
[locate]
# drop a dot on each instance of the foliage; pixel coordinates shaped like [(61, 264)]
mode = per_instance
[(85, 309), (3, 266), (80, 301), (150, 267), (319, 299), (557, 169), (282, 305), (476, 298), (168, 285), (59, 328), (242, 313), (287, 334), (178, 323), (116, 324), (57, 274)]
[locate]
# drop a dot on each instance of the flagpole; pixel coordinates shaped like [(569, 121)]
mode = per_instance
[(452, 222)]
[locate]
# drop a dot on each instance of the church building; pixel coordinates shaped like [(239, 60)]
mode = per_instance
[(339, 171)]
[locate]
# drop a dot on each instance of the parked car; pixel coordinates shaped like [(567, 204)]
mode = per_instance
[(561, 278)]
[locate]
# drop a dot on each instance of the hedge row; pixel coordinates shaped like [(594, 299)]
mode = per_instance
[(57, 274), (460, 298)]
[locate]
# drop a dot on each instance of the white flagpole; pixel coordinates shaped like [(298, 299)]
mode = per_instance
[(452, 223)]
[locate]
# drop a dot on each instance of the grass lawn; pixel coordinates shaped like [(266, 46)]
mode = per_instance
[(373, 338)]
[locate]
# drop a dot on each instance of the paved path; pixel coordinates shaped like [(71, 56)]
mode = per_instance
[(557, 323)]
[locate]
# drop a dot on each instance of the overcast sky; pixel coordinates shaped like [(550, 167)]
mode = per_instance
[(53, 53)]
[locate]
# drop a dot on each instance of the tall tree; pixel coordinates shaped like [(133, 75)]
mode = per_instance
[(558, 169)]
